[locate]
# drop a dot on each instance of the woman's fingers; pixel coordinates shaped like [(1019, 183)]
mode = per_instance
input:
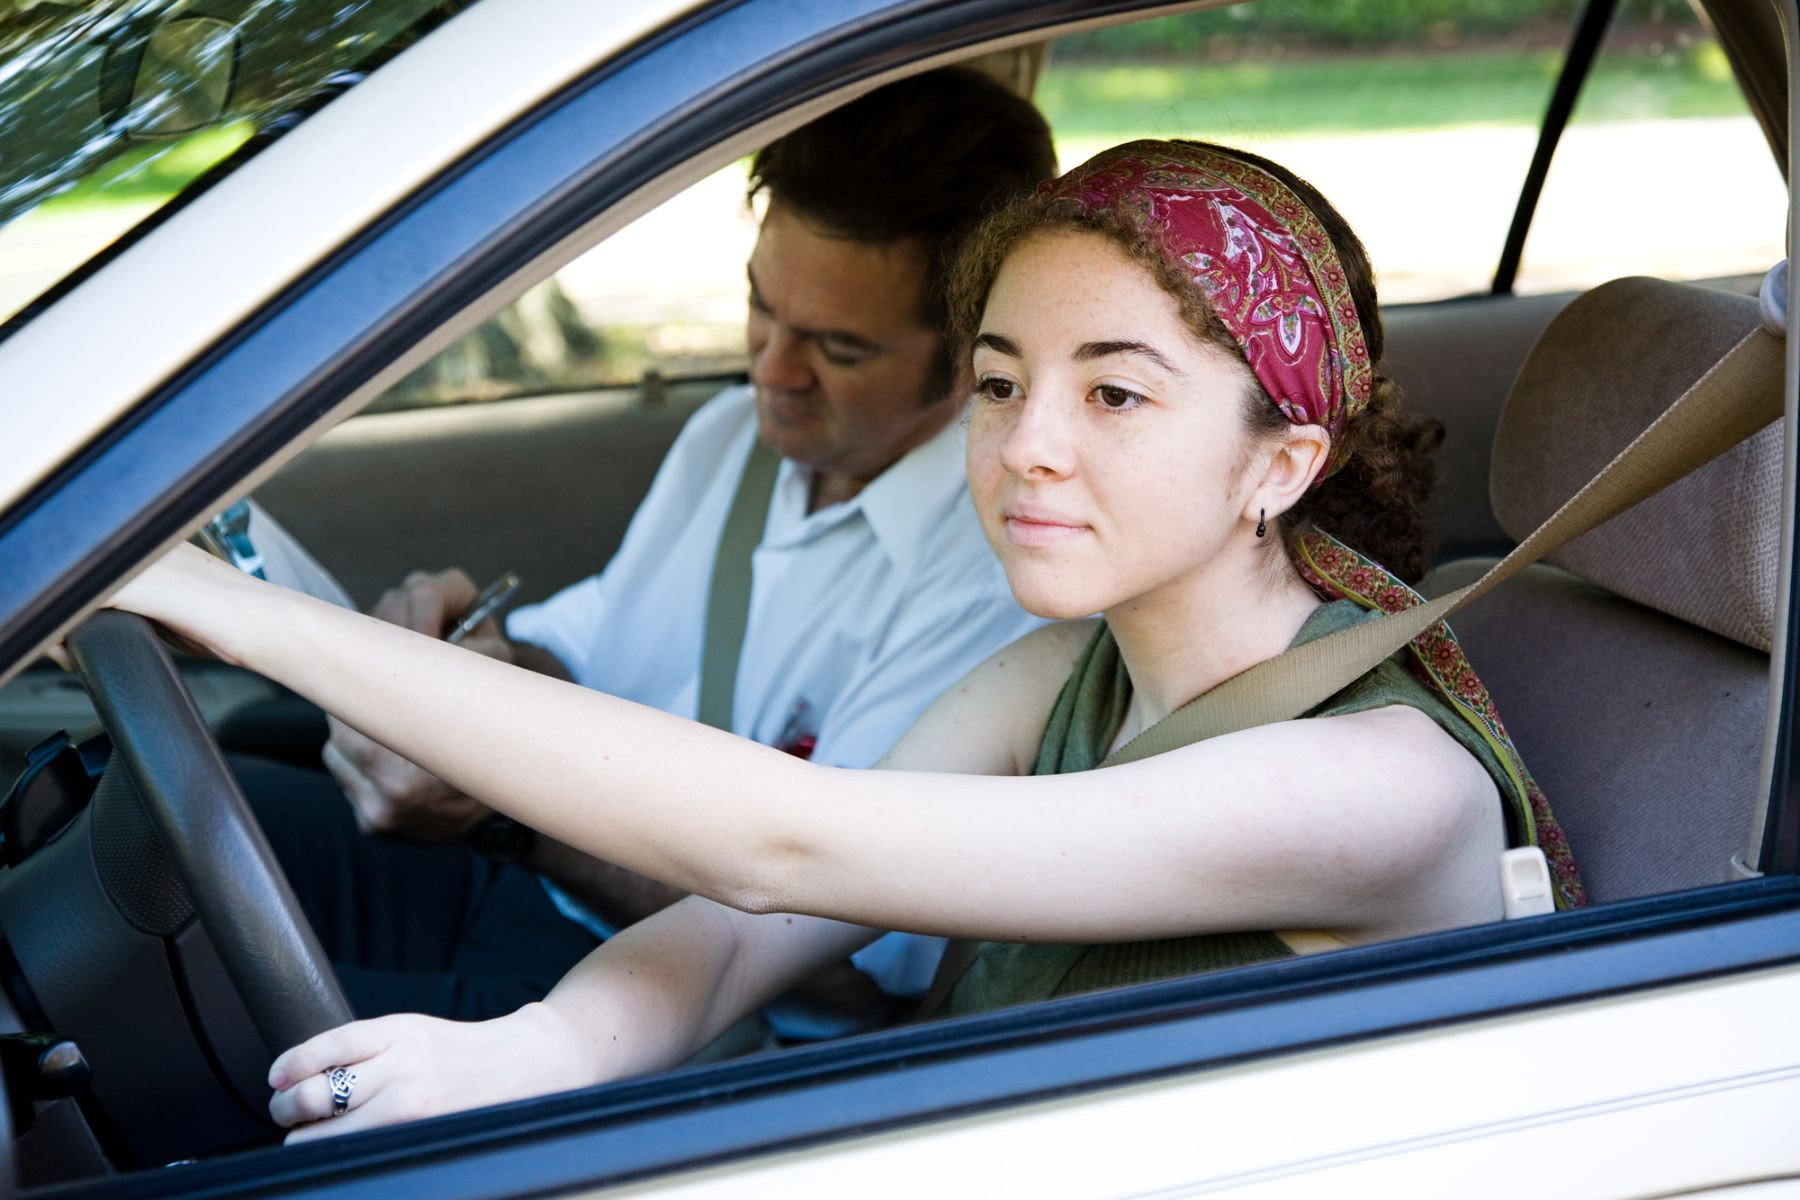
[(394, 1068), (338, 1066), (405, 1067), (315, 1097), (354, 1121), (344, 1046)]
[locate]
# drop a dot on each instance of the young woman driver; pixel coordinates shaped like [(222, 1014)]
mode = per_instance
[(1174, 350)]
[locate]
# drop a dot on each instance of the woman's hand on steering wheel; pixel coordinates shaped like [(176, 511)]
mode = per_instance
[(194, 598), (406, 1067)]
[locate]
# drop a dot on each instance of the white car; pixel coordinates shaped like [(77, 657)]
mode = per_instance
[(349, 188)]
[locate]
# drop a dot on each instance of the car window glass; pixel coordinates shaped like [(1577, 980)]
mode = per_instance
[(1420, 120), (1659, 120), (1383, 91), (665, 294), (109, 111), (1417, 120)]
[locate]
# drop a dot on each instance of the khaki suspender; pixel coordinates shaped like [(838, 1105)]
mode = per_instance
[(728, 596)]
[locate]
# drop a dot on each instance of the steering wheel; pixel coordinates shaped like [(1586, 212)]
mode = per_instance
[(213, 844)]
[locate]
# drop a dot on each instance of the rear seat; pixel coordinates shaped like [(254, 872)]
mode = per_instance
[(541, 486), (1453, 359), (1633, 674)]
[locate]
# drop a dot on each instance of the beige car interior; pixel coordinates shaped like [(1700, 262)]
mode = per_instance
[(543, 486), (370, 496), (1633, 673)]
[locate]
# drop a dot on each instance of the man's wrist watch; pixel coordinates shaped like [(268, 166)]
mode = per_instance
[(502, 839)]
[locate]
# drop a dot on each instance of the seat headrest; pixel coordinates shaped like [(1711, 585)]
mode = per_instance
[(1704, 549)]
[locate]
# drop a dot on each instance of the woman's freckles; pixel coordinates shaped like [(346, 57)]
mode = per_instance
[(1111, 416)]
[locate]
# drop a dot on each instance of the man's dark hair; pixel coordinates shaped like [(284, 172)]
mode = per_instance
[(926, 157)]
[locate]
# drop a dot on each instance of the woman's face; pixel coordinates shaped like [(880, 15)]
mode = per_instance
[(1107, 448)]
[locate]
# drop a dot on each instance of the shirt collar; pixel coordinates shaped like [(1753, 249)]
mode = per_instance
[(904, 505)]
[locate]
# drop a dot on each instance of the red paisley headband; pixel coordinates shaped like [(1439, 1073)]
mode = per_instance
[(1260, 256)]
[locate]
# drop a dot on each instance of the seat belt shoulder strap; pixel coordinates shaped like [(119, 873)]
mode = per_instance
[(728, 595), (1738, 396)]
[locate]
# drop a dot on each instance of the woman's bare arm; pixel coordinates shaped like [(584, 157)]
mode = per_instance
[(648, 998), (1359, 823)]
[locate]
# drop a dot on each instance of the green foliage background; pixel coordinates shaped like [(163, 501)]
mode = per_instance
[(1358, 24)]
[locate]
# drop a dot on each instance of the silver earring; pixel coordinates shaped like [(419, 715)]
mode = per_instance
[(1262, 524)]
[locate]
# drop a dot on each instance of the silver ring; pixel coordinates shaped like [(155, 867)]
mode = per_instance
[(342, 1080)]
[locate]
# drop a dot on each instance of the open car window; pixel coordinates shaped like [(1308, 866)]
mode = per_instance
[(1444, 112), (637, 331), (1659, 122)]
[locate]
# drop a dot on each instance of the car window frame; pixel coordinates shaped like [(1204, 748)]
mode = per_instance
[(284, 372), (1591, 27), (1587, 41)]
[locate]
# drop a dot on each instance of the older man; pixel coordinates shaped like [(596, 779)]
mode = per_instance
[(806, 570)]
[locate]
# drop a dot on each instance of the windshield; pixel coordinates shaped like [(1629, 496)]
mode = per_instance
[(112, 110)]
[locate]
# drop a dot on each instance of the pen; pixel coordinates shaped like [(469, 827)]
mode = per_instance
[(486, 605)]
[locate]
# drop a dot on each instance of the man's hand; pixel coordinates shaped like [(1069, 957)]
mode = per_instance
[(393, 797), (390, 794), (432, 603)]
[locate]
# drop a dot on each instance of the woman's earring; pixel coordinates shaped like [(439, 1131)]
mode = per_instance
[(1262, 523)]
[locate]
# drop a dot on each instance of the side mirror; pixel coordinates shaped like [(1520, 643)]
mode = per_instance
[(169, 79)]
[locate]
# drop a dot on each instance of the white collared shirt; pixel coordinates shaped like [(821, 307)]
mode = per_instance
[(861, 613)]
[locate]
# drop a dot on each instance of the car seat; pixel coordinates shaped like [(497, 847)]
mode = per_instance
[(1633, 673)]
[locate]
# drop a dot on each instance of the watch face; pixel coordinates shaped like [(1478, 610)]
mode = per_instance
[(502, 839)]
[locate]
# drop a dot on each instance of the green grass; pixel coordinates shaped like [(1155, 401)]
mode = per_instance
[(153, 171), (1367, 25), (1089, 103), (1375, 92)]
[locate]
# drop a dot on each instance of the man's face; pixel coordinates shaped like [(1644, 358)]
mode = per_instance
[(841, 361)]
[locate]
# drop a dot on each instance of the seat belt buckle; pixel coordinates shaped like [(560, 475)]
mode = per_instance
[(1525, 883)]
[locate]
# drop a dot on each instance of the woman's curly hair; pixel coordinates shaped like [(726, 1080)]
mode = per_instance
[(1375, 500)]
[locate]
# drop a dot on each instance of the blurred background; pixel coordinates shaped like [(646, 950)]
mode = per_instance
[(1417, 117)]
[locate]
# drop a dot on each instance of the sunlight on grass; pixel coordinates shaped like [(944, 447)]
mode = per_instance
[(1710, 63), (57, 236), (1344, 121), (152, 172), (1302, 96)]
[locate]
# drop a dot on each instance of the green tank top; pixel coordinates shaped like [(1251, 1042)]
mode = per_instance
[(1079, 734)]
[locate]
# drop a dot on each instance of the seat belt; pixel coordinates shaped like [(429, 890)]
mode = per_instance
[(1738, 396), (728, 597)]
